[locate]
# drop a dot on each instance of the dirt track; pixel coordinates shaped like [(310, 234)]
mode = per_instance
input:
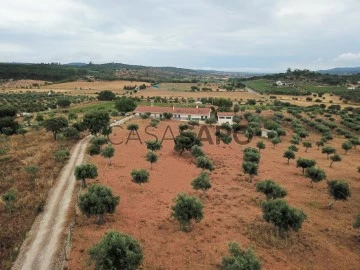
[(38, 249), (42, 243)]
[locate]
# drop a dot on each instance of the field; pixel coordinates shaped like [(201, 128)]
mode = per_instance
[(232, 207), (37, 149)]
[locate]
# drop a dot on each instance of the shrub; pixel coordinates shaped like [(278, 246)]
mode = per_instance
[(167, 115), (117, 251), (9, 198), (338, 190), (187, 208), (196, 151), (283, 216), (271, 189), (319, 143), (154, 123), (93, 149), (252, 157), (275, 141), (140, 176), (71, 133), (106, 95), (293, 147), (240, 259), (315, 174), (97, 201), (32, 172), (132, 127), (193, 123), (125, 104), (211, 121), (62, 155), (204, 163), (260, 145), (201, 182)]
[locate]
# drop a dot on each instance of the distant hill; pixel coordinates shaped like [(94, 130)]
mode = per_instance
[(341, 71), (76, 64)]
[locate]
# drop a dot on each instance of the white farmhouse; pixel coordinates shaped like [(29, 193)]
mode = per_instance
[(183, 114)]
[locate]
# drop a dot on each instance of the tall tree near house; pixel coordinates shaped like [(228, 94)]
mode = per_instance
[(85, 171)]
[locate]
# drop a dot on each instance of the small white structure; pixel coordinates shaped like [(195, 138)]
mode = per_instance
[(264, 132), (279, 83), (225, 117)]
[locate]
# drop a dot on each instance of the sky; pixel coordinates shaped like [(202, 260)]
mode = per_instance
[(228, 35)]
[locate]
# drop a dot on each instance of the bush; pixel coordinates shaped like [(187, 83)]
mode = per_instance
[(84, 171), (132, 126), (187, 208), (346, 146), (284, 217), (153, 145), (125, 104), (288, 154), (117, 251), (261, 145), (251, 168), (334, 158), (271, 189), (93, 149), (307, 145), (108, 152), (338, 190), (201, 182), (167, 115), (328, 150), (196, 151), (252, 157), (240, 259), (185, 141), (315, 174), (140, 176), (204, 163), (97, 201), (106, 95), (62, 155), (9, 198), (71, 133), (305, 163), (151, 157)]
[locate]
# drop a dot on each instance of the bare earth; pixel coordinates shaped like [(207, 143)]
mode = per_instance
[(232, 207), (39, 249)]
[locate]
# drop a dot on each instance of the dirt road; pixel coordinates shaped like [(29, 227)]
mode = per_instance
[(41, 245)]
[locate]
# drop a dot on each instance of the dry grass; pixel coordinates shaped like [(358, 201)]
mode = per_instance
[(38, 149)]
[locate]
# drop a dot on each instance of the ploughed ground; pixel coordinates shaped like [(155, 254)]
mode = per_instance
[(232, 207)]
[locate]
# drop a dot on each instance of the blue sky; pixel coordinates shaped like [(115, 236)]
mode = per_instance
[(230, 35)]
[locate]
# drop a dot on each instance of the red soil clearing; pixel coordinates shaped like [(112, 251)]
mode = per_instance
[(232, 208)]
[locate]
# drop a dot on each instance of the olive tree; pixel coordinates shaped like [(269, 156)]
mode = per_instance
[(201, 182), (153, 145), (338, 190), (55, 125), (346, 146), (117, 251), (305, 163), (288, 154), (85, 171), (140, 176), (132, 127), (334, 158), (154, 123), (307, 145), (250, 168), (240, 259), (282, 216), (319, 143), (260, 145), (108, 152), (97, 122), (275, 141), (354, 141), (271, 189), (151, 157), (293, 147), (328, 150), (185, 209), (185, 141), (315, 174), (196, 151), (97, 201), (205, 163)]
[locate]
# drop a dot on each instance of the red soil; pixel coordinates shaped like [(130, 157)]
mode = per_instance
[(232, 208)]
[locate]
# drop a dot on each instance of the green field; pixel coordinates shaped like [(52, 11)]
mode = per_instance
[(264, 87)]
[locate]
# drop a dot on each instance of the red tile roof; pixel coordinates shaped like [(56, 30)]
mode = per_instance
[(225, 114), (179, 110)]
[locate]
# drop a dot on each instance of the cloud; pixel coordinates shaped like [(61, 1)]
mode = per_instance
[(350, 57), (227, 34)]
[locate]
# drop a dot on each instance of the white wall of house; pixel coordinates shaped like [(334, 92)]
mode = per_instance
[(225, 119)]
